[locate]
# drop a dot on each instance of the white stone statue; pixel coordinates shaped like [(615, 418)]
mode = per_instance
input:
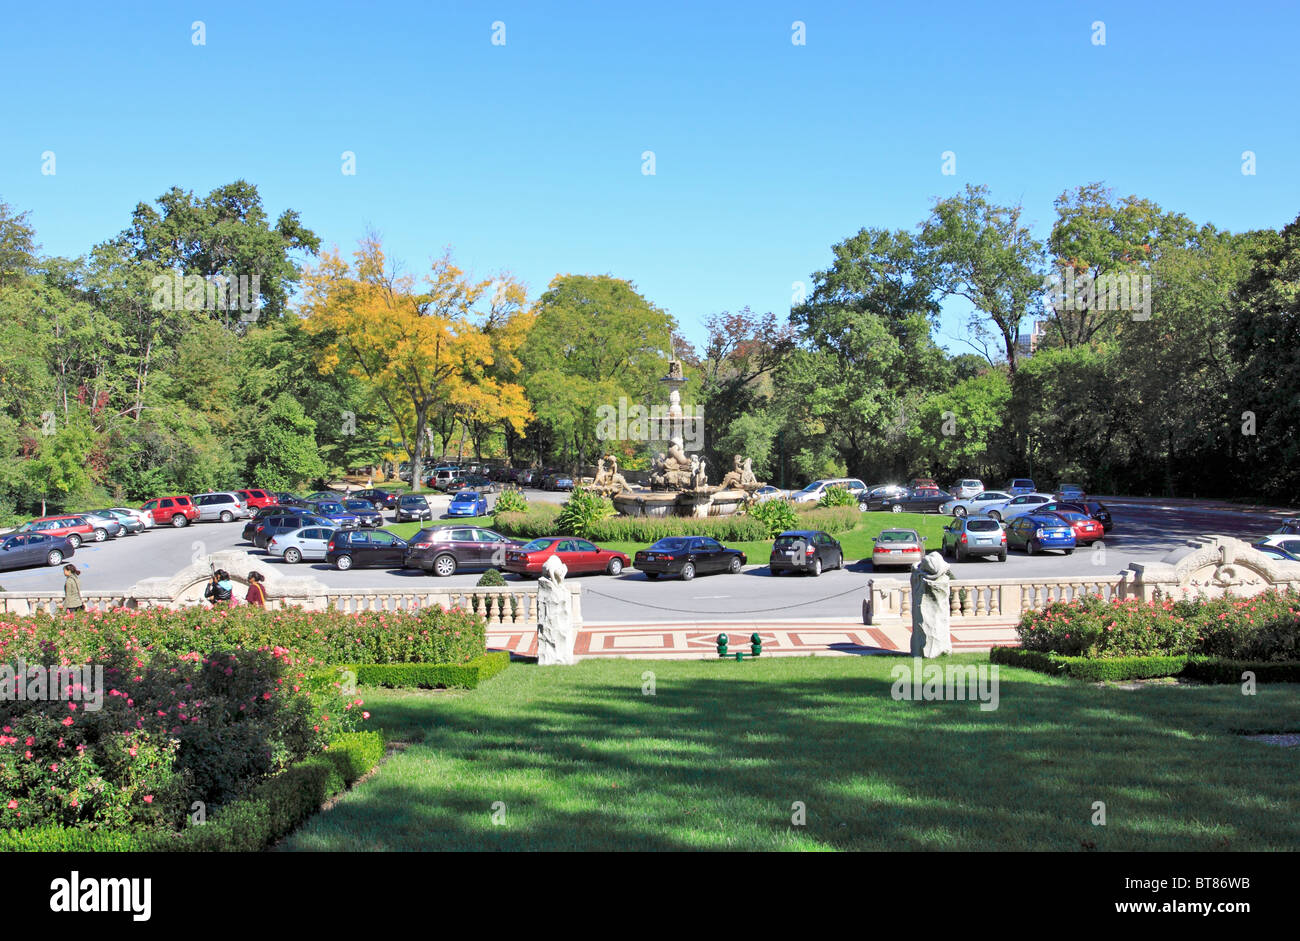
[(556, 633), (931, 634)]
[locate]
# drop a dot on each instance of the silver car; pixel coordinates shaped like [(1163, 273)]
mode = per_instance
[(965, 489), (223, 506), (310, 542), (146, 519), (976, 505), (109, 523), (968, 536), (130, 523)]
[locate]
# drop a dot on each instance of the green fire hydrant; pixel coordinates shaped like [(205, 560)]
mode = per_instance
[(755, 644), (722, 645)]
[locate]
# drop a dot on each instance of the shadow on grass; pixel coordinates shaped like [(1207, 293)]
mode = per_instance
[(723, 755)]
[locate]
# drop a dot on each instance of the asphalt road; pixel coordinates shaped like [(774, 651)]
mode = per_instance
[(1145, 530)]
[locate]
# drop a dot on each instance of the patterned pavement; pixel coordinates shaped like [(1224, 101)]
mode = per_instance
[(698, 641)]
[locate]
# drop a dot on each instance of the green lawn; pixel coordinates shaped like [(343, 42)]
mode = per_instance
[(581, 759)]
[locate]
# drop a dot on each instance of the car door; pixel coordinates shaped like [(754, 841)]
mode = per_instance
[(385, 548), (467, 548), (493, 546), (13, 551), (711, 554), (825, 549), (593, 559)]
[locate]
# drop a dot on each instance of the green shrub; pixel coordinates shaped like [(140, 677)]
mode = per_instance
[(492, 578), (1087, 669), (510, 501), (581, 511), (533, 523), (837, 496), (777, 515), (1230, 671), (836, 519), (543, 520), (434, 675)]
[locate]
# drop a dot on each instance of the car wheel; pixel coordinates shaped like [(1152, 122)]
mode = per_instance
[(995, 516), (74, 540), (343, 563), (688, 571), (1002, 556), (179, 521), (839, 561), (896, 508), (615, 567), (292, 556), (1069, 551), (227, 516), (816, 567), (100, 535), (734, 567), (862, 508), (1029, 547), (959, 512), (53, 557), (957, 554), (444, 565)]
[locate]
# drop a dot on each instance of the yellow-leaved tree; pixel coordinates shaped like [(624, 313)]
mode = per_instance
[(418, 351)]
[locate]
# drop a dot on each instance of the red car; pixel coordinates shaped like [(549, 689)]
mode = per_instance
[(76, 529), (578, 556), (256, 499), (177, 511), (1086, 529)]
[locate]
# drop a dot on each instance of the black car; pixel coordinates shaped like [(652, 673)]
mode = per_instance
[(19, 550), (284, 523), (1098, 511), (380, 499), (365, 513), (413, 506), (687, 556), (810, 551), (275, 509), (350, 548), (1091, 508), (288, 499), (924, 500)]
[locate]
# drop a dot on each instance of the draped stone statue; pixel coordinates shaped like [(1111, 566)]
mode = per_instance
[(556, 633), (931, 634), (733, 477)]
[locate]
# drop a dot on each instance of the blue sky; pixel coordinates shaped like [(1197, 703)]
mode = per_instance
[(527, 157)]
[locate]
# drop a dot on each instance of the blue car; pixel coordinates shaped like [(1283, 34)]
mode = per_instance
[(335, 512), (1036, 533), (468, 503)]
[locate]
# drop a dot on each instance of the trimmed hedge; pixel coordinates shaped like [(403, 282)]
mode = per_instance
[(1191, 666), (433, 675), (834, 519), (272, 810)]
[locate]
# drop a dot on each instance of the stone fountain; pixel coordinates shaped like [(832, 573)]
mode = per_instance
[(679, 483)]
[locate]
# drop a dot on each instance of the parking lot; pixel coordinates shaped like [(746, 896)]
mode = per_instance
[(1145, 530)]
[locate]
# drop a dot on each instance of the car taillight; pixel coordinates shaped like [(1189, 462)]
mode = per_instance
[(913, 549), (260, 528), (1004, 535), (963, 537), (809, 551), (421, 545)]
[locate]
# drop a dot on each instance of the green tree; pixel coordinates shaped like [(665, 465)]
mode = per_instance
[(283, 453)]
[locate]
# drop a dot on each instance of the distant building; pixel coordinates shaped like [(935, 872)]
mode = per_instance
[(1029, 342)]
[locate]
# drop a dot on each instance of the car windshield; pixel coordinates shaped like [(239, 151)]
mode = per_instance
[(897, 535), (670, 544), (815, 485), (1022, 483), (412, 499), (983, 526), (357, 505), (467, 495), (537, 545), (330, 507), (1072, 516), (1069, 487)]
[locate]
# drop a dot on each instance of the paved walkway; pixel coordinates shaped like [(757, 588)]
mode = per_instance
[(698, 641)]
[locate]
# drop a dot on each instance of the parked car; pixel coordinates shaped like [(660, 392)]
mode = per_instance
[(1099, 512), (288, 499), (1069, 492), (21, 550), (478, 482), (815, 490), (380, 499), (255, 498), (321, 495), (133, 521), (525, 477), (309, 542), (578, 555), (1018, 485), (687, 556), (333, 511), (260, 516), (1018, 506), (1275, 552), (923, 483), (354, 548), (278, 525), (413, 507), (365, 513), (967, 488), (810, 551), (76, 529), (1034, 533), (911, 501), (404, 471), (558, 482), (897, 547), (441, 477), (877, 492), (144, 516), (1290, 527), (1086, 529), (1282, 541), (968, 536), (976, 505), (468, 503), (444, 550), (768, 492), (175, 511), (109, 523), (225, 507)]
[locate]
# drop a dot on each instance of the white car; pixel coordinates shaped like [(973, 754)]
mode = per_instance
[(976, 505), (813, 492), (965, 489), (144, 516), (763, 494), (1284, 541), (1019, 506), (310, 542)]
